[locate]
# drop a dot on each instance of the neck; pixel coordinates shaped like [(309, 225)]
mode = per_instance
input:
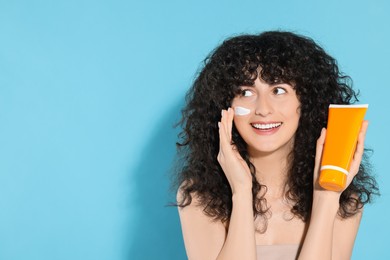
[(272, 171)]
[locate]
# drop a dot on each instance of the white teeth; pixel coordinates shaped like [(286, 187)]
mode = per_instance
[(266, 126)]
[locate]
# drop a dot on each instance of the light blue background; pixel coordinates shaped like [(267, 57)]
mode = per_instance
[(89, 91)]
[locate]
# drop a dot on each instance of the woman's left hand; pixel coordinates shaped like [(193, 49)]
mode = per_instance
[(357, 157)]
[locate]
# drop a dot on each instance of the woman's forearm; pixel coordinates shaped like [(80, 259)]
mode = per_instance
[(318, 240), (240, 241)]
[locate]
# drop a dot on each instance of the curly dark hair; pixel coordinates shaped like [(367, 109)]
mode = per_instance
[(276, 57)]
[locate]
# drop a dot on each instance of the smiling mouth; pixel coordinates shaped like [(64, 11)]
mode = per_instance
[(266, 126)]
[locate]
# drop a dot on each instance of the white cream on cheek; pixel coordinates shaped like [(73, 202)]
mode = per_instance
[(241, 111)]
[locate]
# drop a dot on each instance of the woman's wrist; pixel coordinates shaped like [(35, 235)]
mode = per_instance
[(242, 194), (327, 200)]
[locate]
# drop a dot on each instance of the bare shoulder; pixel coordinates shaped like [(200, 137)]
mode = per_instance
[(203, 236), (194, 212)]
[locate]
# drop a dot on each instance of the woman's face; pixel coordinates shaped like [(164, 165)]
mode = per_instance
[(267, 117)]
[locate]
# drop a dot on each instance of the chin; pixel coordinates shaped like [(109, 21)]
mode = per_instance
[(267, 149), (263, 150)]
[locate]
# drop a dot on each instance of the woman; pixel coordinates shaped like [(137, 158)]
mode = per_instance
[(252, 139)]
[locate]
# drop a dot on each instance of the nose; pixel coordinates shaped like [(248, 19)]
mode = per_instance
[(263, 106)]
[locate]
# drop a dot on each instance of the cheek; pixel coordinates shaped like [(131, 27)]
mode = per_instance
[(291, 110), (293, 117), (247, 102), (242, 126), (242, 108), (239, 122)]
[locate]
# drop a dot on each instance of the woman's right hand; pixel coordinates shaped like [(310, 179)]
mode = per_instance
[(234, 166)]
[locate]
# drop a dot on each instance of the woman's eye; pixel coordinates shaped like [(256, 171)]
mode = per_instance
[(246, 93), (279, 91)]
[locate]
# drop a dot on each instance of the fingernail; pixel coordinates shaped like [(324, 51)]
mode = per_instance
[(219, 124), (222, 112)]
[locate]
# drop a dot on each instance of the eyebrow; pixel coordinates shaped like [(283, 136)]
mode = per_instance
[(281, 83)]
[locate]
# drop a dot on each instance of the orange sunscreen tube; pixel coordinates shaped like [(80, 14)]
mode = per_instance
[(344, 123)]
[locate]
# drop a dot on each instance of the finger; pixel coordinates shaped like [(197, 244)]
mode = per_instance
[(227, 120), (360, 142), (230, 122), (224, 141), (357, 157), (219, 133), (320, 146), (223, 117)]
